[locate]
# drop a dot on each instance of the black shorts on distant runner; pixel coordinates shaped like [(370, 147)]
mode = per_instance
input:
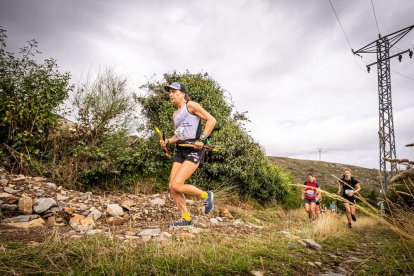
[(189, 154), (307, 200), (351, 199)]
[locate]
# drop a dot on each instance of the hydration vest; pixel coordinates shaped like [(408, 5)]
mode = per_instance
[(310, 193), (187, 125)]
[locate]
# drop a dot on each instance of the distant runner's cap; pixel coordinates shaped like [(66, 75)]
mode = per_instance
[(177, 86)]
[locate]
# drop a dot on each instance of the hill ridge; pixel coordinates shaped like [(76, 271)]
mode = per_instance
[(323, 171)]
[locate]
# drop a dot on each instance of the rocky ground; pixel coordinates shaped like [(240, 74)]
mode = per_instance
[(34, 204)]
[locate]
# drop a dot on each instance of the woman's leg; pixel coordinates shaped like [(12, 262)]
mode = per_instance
[(317, 210), (178, 197), (179, 174), (352, 209), (312, 209), (307, 209)]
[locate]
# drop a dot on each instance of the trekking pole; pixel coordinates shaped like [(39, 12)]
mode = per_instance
[(212, 147), (162, 137)]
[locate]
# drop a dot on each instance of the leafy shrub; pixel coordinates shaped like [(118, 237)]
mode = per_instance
[(30, 94), (101, 152)]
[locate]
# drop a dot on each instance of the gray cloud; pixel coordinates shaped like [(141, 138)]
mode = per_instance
[(285, 62)]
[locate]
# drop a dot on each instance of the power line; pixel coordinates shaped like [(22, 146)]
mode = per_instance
[(349, 43), (340, 24), (375, 16)]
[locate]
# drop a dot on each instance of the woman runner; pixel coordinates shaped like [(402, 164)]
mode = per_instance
[(187, 122)]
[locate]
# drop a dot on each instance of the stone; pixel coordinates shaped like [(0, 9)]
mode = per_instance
[(237, 223), (60, 197), (311, 243), (80, 223), (11, 190), (150, 232), (114, 210), (39, 179), (157, 202), (24, 218), (146, 238), (83, 207), (51, 185), (51, 220), (256, 273), (115, 220), (3, 182), (69, 210), (132, 237), (214, 221), (25, 205), (94, 232), (26, 225), (225, 213), (8, 198), (187, 236), (9, 207), (127, 204), (42, 204), (96, 214), (20, 178), (196, 230)]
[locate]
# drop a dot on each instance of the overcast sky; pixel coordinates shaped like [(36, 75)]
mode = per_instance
[(287, 63)]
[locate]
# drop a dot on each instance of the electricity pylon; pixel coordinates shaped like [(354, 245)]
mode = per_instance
[(382, 47)]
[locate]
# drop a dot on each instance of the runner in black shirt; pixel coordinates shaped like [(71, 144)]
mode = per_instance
[(348, 186)]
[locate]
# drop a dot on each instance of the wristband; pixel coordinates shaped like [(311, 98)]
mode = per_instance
[(167, 141), (202, 137)]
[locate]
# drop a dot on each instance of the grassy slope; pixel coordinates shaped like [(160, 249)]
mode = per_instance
[(323, 170)]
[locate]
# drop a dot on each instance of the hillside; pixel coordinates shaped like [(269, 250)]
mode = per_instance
[(324, 170)]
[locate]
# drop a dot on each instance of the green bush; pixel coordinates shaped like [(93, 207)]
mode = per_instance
[(101, 151), (241, 163), (30, 94)]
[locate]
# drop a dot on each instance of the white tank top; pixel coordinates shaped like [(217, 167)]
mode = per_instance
[(187, 125)]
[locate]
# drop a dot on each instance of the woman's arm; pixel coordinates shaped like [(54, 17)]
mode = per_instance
[(339, 187), (357, 187)]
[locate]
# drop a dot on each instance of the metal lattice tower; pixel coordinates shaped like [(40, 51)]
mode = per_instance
[(386, 122), (382, 48)]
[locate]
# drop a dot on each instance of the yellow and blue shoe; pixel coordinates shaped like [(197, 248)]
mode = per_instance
[(182, 222), (209, 203)]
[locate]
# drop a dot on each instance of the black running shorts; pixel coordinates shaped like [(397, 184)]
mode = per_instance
[(351, 199), (189, 154)]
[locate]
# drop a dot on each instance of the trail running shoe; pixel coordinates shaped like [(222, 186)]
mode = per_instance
[(208, 203), (349, 225), (182, 222), (353, 217)]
